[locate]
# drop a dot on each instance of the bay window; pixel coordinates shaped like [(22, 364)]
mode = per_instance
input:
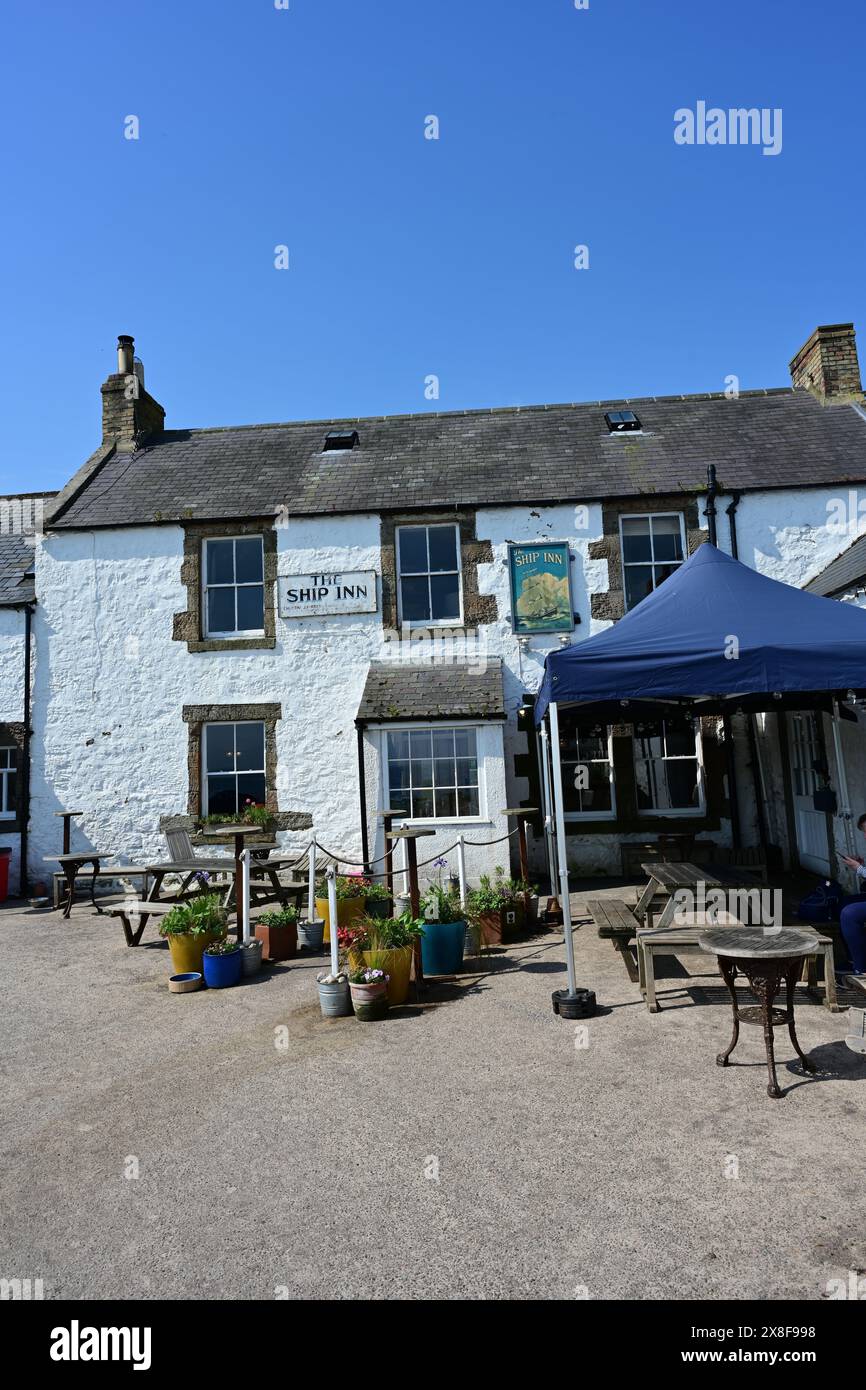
[(432, 773)]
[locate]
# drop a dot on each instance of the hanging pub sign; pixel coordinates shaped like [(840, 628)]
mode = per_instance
[(312, 595), (540, 587)]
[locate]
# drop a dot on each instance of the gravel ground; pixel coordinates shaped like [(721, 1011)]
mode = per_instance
[(469, 1148)]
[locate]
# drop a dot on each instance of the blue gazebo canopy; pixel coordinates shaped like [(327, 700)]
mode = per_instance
[(714, 629)]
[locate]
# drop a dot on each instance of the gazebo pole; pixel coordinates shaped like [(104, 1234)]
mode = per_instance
[(843, 778), (559, 810), (545, 802)]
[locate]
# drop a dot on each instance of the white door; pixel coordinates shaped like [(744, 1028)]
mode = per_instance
[(812, 845)]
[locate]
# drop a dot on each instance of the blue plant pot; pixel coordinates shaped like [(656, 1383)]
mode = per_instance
[(222, 971), (442, 947)]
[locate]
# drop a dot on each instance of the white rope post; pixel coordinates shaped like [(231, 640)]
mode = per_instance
[(331, 876), (245, 891), (559, 811), (545, 801), (405, 866), (461, 869), (311, 888), (850, 844)]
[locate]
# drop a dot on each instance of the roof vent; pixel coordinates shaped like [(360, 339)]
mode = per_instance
[(340, 439), (620, 420)]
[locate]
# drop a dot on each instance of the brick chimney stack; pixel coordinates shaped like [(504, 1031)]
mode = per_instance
[(827, 365), (129, 414)]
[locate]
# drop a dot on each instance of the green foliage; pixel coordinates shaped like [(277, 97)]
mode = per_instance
[(280, 917), (377, 892), (226, 947), (388, 933), (492, 895), (197, 917), (444, 903), (348, 886)]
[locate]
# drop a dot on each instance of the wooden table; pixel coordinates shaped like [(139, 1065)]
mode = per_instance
[(72, 864), (665, 880), (239, 833)]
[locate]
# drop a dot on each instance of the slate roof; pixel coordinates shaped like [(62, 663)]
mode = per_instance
[(534, 454), (17, 549), (394, 692), (847, 571)]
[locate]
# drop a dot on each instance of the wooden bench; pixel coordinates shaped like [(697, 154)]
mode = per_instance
[(616, 921), (112, 871), (134, 915), (683, 940)]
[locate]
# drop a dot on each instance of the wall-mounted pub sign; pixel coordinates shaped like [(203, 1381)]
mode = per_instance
[(312, 595), (540, 587)]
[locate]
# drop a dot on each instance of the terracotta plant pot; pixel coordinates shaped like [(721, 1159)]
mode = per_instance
[(397, 966), (505, 925), (278, 943), (370, 1002), (187, 951), (348, 910)]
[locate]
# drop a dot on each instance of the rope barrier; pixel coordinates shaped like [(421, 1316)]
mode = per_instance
[(359, 863)]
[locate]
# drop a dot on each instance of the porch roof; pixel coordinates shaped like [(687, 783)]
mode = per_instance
[(457, 691)]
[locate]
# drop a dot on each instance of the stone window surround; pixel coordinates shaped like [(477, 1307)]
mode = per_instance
[(12, 735), (189, 626), (611, 603), (478, 609), (194, 716)]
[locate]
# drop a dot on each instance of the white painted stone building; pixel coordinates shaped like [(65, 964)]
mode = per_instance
[(177, 671)]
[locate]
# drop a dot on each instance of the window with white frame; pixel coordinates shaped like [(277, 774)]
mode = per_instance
[(8, 782), (586, 754), (668, 767), (233, 771), (432, 773), (234, 587), (653, 546), (428, 574)]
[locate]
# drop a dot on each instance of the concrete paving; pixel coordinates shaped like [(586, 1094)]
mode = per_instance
[(470, 1148)]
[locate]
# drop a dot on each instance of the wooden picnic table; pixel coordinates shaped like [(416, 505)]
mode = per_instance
[(665, 880), (264, 886)]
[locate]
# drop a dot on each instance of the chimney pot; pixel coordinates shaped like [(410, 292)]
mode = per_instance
[(125, 354)]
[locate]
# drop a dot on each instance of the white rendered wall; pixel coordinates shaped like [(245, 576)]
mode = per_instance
[(110, 682)]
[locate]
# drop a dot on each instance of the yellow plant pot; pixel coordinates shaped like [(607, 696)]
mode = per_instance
[(348, 909), (398, 968), (187, 951)]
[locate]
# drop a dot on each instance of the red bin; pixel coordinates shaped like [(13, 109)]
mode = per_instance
[(5, 856)]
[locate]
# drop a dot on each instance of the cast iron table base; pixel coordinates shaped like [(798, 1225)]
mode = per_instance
[(765, 977)]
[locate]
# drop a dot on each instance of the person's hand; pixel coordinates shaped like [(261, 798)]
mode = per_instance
[(852, 863)]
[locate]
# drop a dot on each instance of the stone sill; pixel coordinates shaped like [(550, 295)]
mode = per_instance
[(229, 644)]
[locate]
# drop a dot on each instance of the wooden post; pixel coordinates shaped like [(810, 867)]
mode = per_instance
[(67, 818), (415, 903)]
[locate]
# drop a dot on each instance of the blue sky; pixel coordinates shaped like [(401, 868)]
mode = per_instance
[(410, 257)]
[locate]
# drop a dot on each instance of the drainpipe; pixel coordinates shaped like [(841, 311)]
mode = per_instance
[(710, 509), (24, 882), (362, 787), (731, 514)]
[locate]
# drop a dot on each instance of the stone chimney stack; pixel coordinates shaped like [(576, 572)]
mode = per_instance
[(129, 414), (827, 365)]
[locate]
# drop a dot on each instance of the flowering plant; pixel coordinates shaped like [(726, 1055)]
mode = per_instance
[(368, 976), (226, 947), (348, 886)]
